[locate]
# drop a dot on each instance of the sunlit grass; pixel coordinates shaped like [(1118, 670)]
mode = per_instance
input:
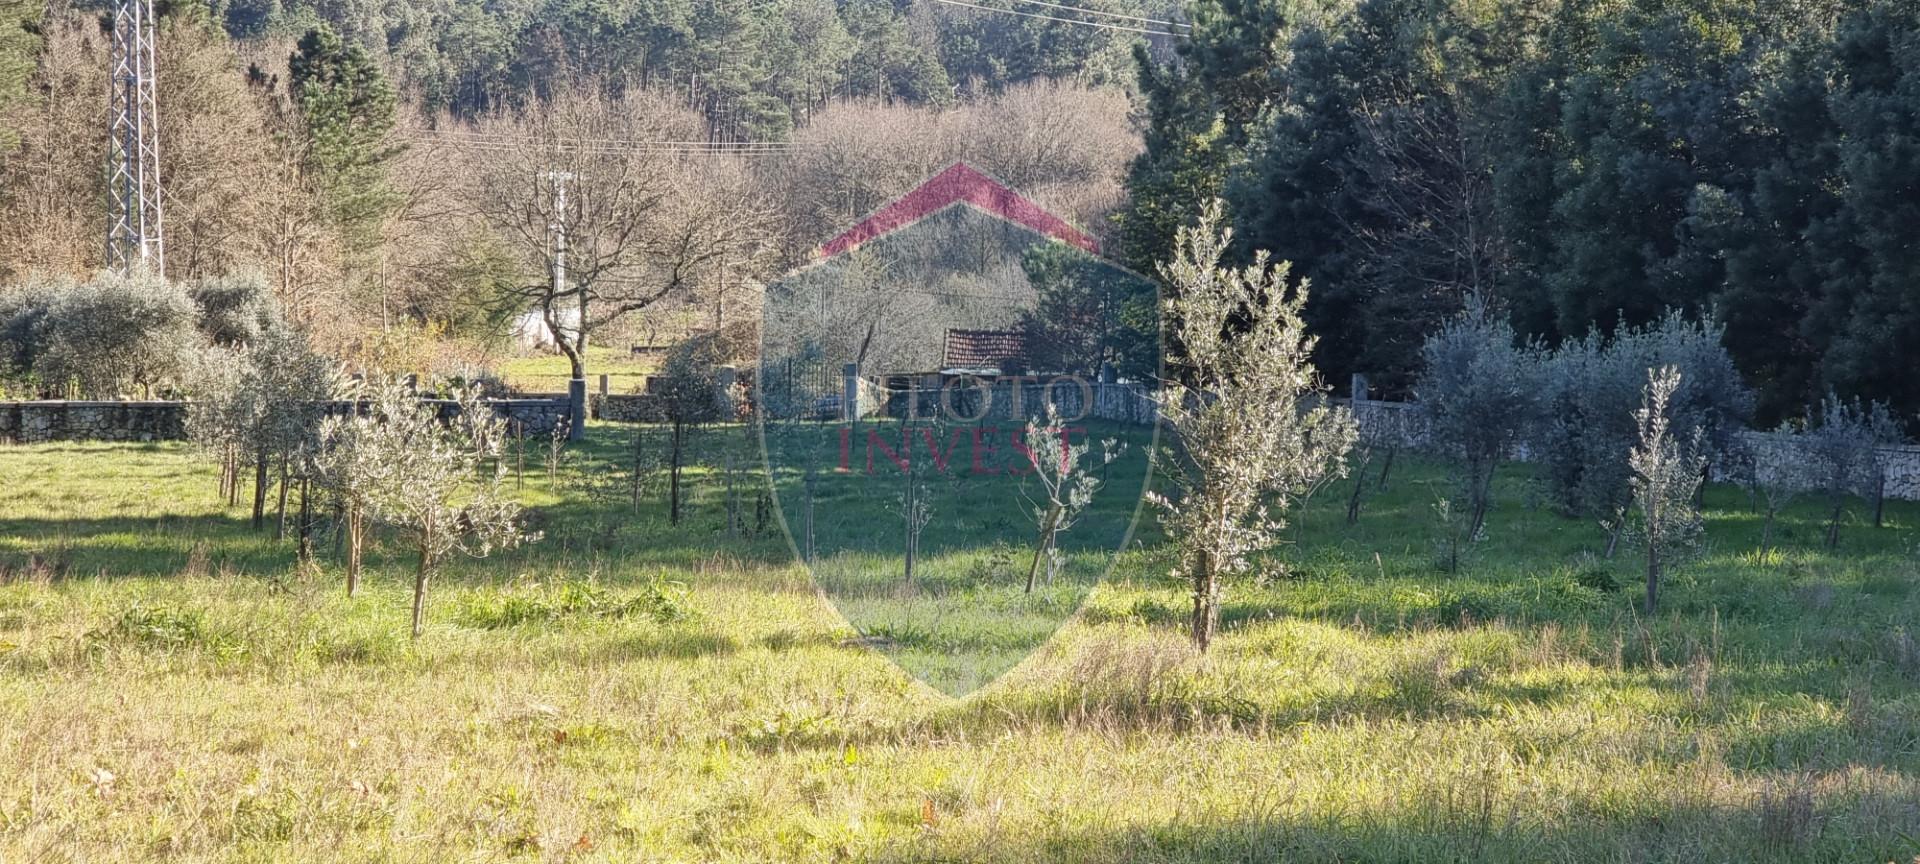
[(172, 689)]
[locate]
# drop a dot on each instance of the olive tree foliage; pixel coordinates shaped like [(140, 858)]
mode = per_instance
[(440, 485), (1060, 470), (114, 335), (689, 394), (1252, 432), (259, 405), (1593, 392), (23, 309), (347, 464), (235, 309), (1841, 444), (1784, 477), (1480, 391), (1667, 471)]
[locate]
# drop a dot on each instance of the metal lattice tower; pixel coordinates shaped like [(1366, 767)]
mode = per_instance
[(133, 143)]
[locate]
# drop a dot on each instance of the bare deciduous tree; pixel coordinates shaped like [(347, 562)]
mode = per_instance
[(607, 214)]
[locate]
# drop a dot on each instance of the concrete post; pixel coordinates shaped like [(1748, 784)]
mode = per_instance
[(723, 379), (1359, 387), (850, 393), (576, 408)]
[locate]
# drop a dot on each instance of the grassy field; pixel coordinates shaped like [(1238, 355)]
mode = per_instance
[(171, 689), (548, 373)]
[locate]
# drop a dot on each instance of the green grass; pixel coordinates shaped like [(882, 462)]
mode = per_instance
[(626, 690), (548, 373)]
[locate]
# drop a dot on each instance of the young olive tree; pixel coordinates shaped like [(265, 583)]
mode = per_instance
[(440, 485), (689, 393), (914, 503), (1785, 476), (1594, 387), (1066, 486), (217, 420), (1480, 392), (1252, 430), (260, 404), (1843, 449), (1667, 473), (349, 466), (280, 395)]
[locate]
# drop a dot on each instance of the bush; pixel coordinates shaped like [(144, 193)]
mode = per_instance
[(1841, 446), (1480, 390), (235, 310), (114, 334), (1594, 388), (23, 314)]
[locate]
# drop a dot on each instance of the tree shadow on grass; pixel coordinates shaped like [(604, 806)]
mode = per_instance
[(138, 547), (1462, 822)]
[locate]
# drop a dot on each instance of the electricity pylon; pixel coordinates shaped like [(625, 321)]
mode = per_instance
[(133, 143)]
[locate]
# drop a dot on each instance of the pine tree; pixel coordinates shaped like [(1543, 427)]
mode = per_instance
[(346, 108)]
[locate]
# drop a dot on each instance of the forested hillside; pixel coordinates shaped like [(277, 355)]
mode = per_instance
[(1581, 164), (379, 167), (1577, 164), (755, 66)]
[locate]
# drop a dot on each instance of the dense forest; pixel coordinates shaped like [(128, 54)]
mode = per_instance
[(1579, 164)]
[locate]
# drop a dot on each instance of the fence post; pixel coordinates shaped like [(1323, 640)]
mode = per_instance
[(850, 392)]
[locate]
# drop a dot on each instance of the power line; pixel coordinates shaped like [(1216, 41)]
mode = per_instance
[(504, 143), (1120, 15), (513, 137), (1084, 23)]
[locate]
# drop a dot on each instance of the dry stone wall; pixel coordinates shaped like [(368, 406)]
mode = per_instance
[(1403, 424), (35, 422)]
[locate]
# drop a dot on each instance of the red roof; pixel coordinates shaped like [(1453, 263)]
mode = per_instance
[(982, 349), (959, 183)]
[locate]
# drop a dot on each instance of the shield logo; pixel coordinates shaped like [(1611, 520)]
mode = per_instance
[(956, 402)]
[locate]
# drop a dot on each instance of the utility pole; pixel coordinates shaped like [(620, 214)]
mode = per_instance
[(577, 385), (133, 143)]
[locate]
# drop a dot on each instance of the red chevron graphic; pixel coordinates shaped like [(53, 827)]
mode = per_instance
[(959, 183)]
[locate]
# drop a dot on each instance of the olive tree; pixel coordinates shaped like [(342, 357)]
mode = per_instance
[(23, 311), (1594, 388), (280, 395), (1842, 445), (1066, 486), (1667, 472), (1480, 391), (235, 309), (689, 394), (1252, 430), (114, 334), (1783, 476), (261, 404), (439, 485), (349, 466), (219, 418)]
